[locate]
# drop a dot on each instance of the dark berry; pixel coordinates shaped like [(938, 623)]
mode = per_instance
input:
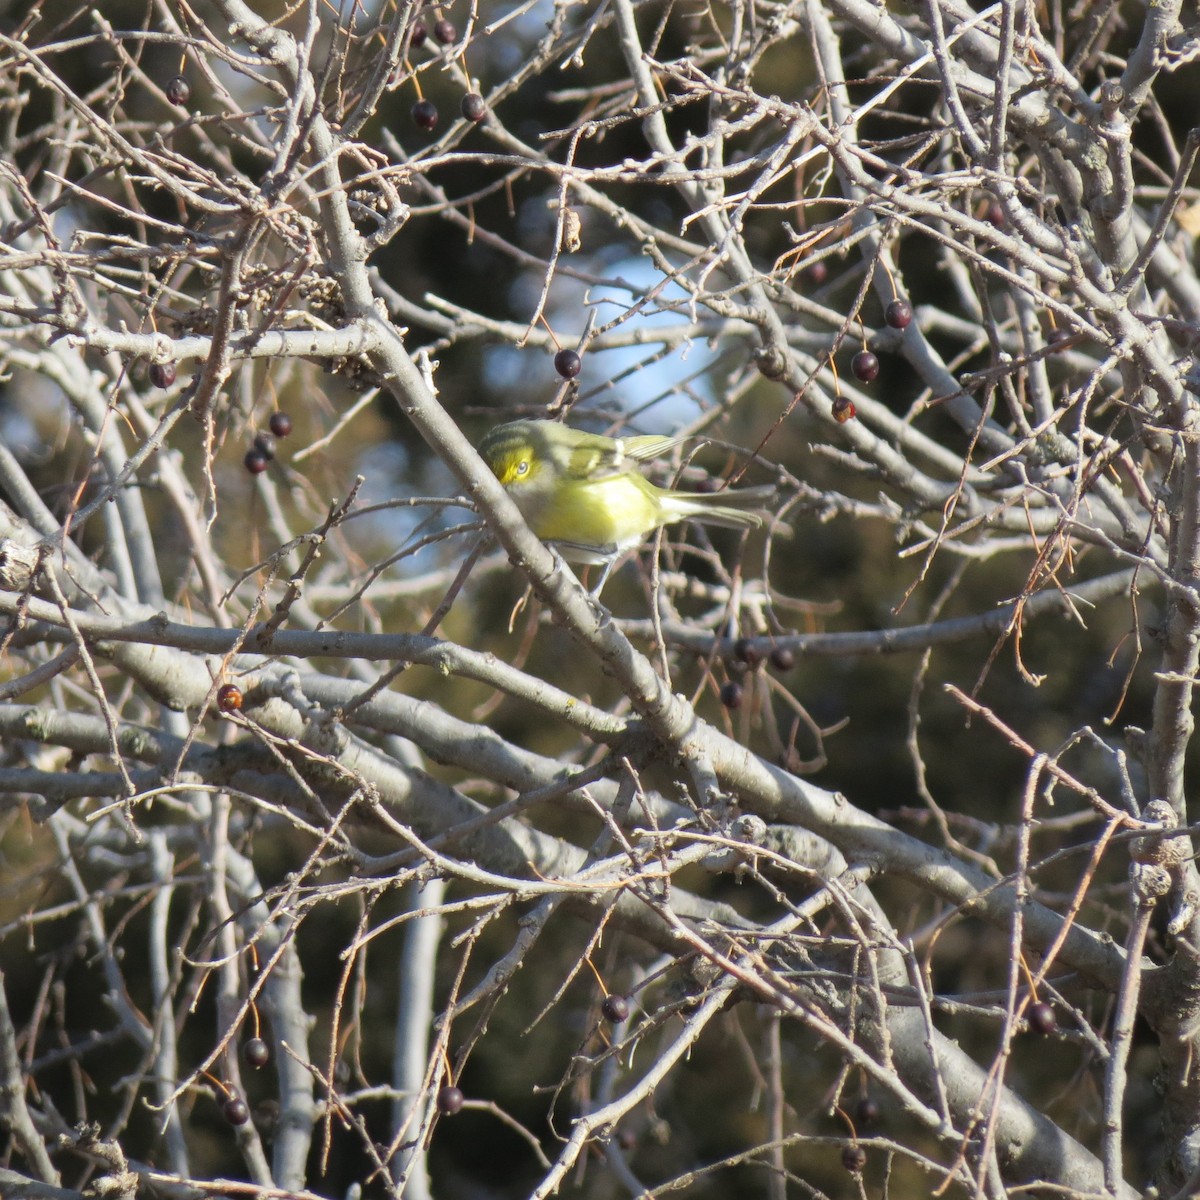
[(450, 1100), (995, 214), (419, 34), (854, 1158), (783, 658), (744, 650), (865, 366), (1041, 1018), (898, 314), (264, 443), (473, 106), (178, 90), (731, 694), (425, 114), (568, 364), (235, 1111), (256, 1052), (615, 1009), (844, 410), (445, 32), (162, 375), (281, 424), (256, 461), (229, 699), (866, 1112), (1058, 336), (816, 273)]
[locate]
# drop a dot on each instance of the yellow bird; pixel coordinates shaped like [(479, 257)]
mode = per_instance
[(584, 494)]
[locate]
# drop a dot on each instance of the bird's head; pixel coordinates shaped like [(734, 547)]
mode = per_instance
[(515, 453)]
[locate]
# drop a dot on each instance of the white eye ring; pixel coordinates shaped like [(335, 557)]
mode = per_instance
[(523, 467)]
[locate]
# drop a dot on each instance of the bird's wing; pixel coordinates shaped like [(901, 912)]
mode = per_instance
[(596, 457), (648, 446)]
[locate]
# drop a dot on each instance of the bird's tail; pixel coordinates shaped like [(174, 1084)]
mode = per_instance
[(734, 508)]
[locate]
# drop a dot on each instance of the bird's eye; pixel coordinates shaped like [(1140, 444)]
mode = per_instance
[(523, 467)]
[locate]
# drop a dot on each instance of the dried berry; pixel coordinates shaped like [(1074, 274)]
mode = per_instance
[(1041, 1018), (844, 410), (744, 650), (425, 114), (568, 364), (162, 374), (615, 1009), (783, 658), (256, 1052), (854, 1158), (865, 366), (474, 107), (178, 90), (898, 314)]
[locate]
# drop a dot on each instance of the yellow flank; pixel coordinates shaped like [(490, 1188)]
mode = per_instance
[(617, 511), (584, 492)]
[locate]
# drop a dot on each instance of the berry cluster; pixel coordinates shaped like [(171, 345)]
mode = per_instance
[(748, 653), (263, 450)]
